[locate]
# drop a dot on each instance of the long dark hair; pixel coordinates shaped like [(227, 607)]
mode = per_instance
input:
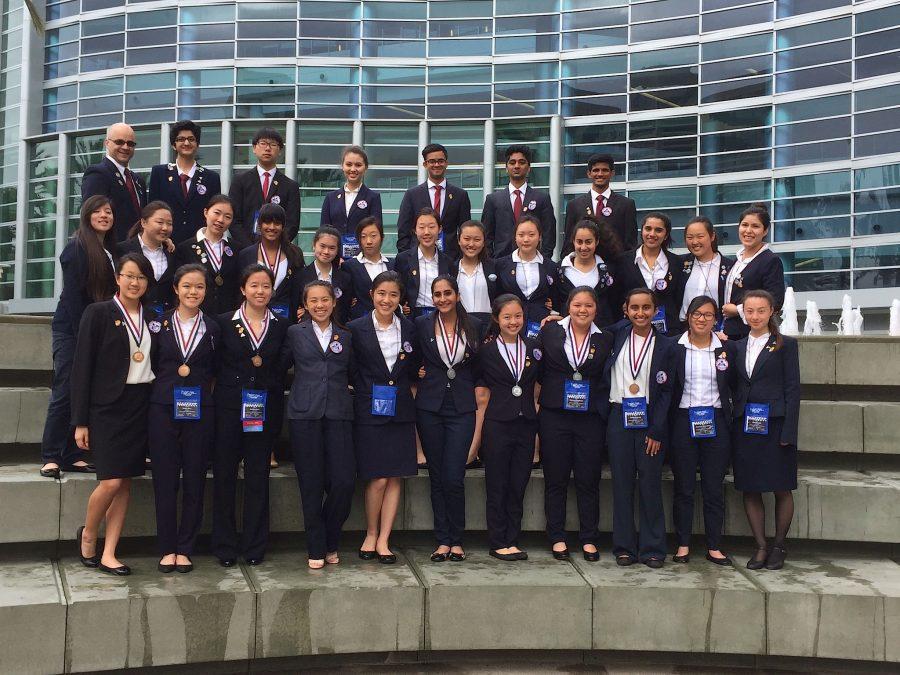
[(147, 213), (707, 223), (98, 285), (497, 306), (667, 223), (773, 322), (478, 225), (609, 247), (696, 304), (462, 315)]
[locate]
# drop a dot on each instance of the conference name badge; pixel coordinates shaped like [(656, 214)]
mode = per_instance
[(756, 419), (659, 321), (186, 402), (279, 309), (349, 245), (634, 413), (253, 409), (532, 329), (384, 400), (576, 396), (703, 421)]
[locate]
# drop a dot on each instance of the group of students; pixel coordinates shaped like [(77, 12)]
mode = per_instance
[(183, 355)]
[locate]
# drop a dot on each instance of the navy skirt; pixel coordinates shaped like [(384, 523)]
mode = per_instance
[(118, 434), (761, 463), (385, 450)]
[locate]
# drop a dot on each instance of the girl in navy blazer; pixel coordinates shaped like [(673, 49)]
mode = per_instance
[(279, 254), (249, 397), (766, 411), (181, 416), (571, 429), (756, 267), (528, 275), (419, 266), (344, 208), (703, 268), (88, 276), (326, 266), (385, 414), (366, 265), (700, 423), (510, 371), (320, 410), (593, 263), (111, 381), (150, 237), (638, 381), (445, 410)]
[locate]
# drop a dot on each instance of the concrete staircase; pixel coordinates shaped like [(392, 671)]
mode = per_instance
[(837, 598)]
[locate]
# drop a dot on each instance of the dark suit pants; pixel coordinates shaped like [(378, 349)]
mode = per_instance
[(326, 471), (627, 458), (58, 441), (446, 437), (713, 456), (507, 450), (571, 442), (231, 446), (180, 452)]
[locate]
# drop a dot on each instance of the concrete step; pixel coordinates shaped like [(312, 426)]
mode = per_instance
[(62, 617), (830, 505)]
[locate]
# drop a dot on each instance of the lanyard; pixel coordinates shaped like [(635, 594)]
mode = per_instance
[(450, 346), (713, 383), (211, 250), (254, 340), (271, 266), (637, 363), (188, 346), (515, 361), (579, 354), (706, 288), (136, 330)]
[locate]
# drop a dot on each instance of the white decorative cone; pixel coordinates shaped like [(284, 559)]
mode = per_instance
[(894, 327), (857, 321), (813, 323), (845, 323), (789, 325)]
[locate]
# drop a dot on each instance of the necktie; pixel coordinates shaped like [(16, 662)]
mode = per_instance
[(265, 185), (184, 183), (437, 199), (129, 183), (599, 210), (517, 205)]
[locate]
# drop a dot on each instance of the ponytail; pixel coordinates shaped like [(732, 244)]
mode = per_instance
[(773, 321)]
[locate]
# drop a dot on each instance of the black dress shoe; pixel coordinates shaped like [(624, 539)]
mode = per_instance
[(535, 465), (184, 569), (165, 569), (388, 559), (120, 571), (74, 468), (423, 465), (508, 557), (724, 562), (474, 464), (624, 560), (521, 555), (686, 558), (653, 563), (254, 561), (776, 557), (438, 557), (756, 563), (560, 555), (94, 560), (50, 473), (456, 557), (227, 562), (367, 555), (591, 556)]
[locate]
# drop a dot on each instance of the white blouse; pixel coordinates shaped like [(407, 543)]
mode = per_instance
[(388, 340), (473, 290), (528, 273), (755, 345)]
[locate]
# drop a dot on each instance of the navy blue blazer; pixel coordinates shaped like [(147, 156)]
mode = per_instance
[(321, 386), (246, 194), (725, 376), (499, 221), (623, 218), (433, 387), (218, 299), (406, 264), (660, 380), (343, 291), (166, 358), (775, 380), (457, 210), (556, 369), (334, 210), (629, 277), (187, 212), (535, 307), (370, 369), (75, 296), (360, 285), (610, 291), (687, 266), (104, 179), (290, 288), (765, 272), (160, 293), (496, 376)]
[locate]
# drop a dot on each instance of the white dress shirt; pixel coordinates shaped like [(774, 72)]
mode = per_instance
[(510, 356), (701, 387), (323, 276), (512, 196), (189, 173), (431, 191), (459, 343), (704, 280), (323, 336), (652, 274), (139, 372), (280, 269), (349, 198), (621, 377), (594, 194), (577, 277), (388, 340), (121, 169), (569, 348), (187, 327), (528, 272), (373, 268), (217, 247), (473, 290), (428, 272), (736, 270), (156, 256), (262, 172), (755, 345)]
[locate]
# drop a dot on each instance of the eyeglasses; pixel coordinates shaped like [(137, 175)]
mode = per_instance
[(130, 278), (186, 139), (706, 316), (435, 162), (271, 145), (118, 142)]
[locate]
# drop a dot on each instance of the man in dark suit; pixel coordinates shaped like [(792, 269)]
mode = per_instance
[(618, 211), (263, 184), (113, 179), (503, 208), (185, 185), (449, 201)]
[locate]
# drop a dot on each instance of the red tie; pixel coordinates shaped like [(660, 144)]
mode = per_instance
[(600, 205), (437, 199), (184, 181), (517, 205), (129, 183), (265, 185)]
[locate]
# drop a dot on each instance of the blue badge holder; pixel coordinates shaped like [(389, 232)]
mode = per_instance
[(256, 222), (756, 419), (156, 308), (576, 396), (720, 325), (186, 403), (349, 246), (384, 400), (253, 409), (634, 413), (703, 421), (426, 311), (659, 320), (440, 242), (280, 309), (532, 328)]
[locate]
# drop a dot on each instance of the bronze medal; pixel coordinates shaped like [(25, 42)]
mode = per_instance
[(634, 388), (256, 360), (219, 280), (184, 370), (138, 356)]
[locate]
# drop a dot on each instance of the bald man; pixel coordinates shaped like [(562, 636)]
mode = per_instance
[(112, 178)]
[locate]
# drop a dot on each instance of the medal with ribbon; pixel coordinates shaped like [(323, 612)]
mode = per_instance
[(516, 362), (636, 362), (136, 330), (579, 353), (186, 345), (214, 260), (450, 346), (255, 341), (265, 257)]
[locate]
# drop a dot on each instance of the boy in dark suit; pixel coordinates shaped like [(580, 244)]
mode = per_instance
[(184, 185), (503, 208), (450, 202), (263, 184)]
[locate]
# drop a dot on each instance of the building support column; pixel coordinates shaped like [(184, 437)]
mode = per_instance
[(422, 174), (556, 152), (290, 150), (227, 159), (489, 157), (62, 207)]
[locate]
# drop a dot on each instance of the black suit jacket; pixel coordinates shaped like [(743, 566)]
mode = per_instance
[(343, 290), (687, 266), (75, 297), (320, 388), (360, 285), (629, 277), (370, 369), (775, 380), (288, 291), (610, 289), (764, 272), (457, 210), (160, 293), (556, 369), (660, 380), (218, 299), (725, 378), (535, 307), (499, 221), (104, 179), (187, 212), (433, 387), (334, 209), (623, 218), (166, 357), (246, 193), (496, 376), (406, 264)]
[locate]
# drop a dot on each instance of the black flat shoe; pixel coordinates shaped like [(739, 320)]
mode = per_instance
[(561, 555), (254, 561), (521, 555), (591, 556), (456, 557), (438, 557), (94, 560), (508, 557), (624, 560), (535, 465), (724, 562), (367, 555), (389, 559), (74, 468), (227, 562), (474, 464), (120, 571), (50, 473), (423, 465), (184, 569), (775, 559), (653, 563), (686, 558), (755, 563), (165, 569)]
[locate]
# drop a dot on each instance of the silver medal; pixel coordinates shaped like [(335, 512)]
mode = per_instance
[(451, 374), (577, 376), (517, 391)]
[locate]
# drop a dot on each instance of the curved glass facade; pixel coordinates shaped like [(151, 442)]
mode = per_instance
[(706, 104)]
